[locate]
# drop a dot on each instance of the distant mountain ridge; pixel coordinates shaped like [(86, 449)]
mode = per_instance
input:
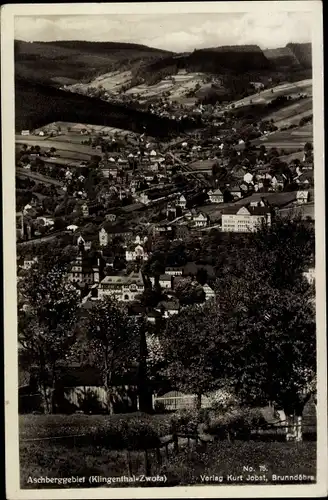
[(57, 63), (52, 62), (103, 46), (293, 56)]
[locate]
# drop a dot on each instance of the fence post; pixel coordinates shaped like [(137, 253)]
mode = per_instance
[(175, 443), (159, 456), (129, 462), (147, 464)]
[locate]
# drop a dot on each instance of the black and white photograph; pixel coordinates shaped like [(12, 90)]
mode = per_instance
[(164, 250)]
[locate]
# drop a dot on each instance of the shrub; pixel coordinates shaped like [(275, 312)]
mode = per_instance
[(89, 403), (187, 421), (135, 433), (159, 407), (237, 422)]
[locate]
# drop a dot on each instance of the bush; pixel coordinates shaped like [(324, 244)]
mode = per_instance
[(136, 433), (187, 421), (159, 407), (89, 403), (238, 423)]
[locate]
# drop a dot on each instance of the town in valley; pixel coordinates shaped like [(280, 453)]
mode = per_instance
[(165, 245)]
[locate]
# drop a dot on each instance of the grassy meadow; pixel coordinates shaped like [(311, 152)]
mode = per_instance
[(47, 450)]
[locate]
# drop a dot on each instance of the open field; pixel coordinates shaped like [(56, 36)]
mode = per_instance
[(111, 82), (64, 148), (21, 172), (289, 140), (178, 85), (286, 89), (305, 211), (292, 114), (292, 156)]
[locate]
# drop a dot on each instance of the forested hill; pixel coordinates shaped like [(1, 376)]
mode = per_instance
[(37, 104), (57, 63), (234, 60), (106, 47), (294, 56), (238, 59)]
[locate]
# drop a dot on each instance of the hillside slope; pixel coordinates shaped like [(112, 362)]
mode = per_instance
[(303, 52), (37, 105), (282, 58), (295, 56), (59, 63)]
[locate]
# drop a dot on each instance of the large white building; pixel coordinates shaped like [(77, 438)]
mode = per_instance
[(243, 219)]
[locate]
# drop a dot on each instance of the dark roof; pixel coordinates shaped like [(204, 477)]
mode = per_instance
[(168, 305), (192, 268), (165, 277), (235, 187), (253, 210)]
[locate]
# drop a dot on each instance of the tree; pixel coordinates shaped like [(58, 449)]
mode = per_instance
[(189, 292), (283, 251), (59, 223), (202, 276), (190, 346), (258, 337), (266, 306), (110, 342), (308, 147), (272, 345), (47, 309)]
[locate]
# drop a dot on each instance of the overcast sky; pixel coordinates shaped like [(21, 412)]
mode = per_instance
[(178, 32)]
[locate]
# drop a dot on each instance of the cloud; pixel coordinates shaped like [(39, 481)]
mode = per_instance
[(179, 32)]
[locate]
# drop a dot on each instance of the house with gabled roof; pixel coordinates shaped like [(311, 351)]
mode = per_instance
[(278, 181), (168, 308), (124, 288), (110, 231), (235, 191), (181, 201), (209, 292), (302, 196), (216, 196), (200, 220)]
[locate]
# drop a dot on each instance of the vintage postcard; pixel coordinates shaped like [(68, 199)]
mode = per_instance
[(164, 250)]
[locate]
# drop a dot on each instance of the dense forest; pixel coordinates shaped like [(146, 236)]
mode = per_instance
[(37, 104)]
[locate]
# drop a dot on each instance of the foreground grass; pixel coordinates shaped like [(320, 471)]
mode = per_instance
[(185, 468), (229, 459), (48, 448), (37, 426)]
